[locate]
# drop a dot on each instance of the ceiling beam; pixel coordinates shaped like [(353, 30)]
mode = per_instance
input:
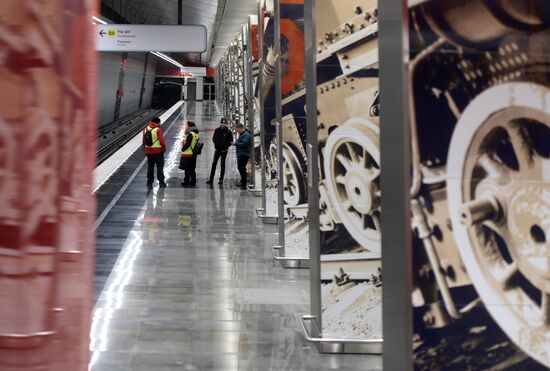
[(220, 13)]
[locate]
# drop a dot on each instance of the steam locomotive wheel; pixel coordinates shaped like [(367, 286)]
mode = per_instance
[(273, 157), (293, 177), (352, 168), (499, 198), (326, 216)]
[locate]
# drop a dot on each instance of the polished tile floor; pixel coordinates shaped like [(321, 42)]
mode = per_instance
[(192, 285)]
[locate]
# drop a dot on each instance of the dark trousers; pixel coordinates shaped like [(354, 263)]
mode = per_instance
[(217, 156), (190, 174), (152, 160), (242, 161)]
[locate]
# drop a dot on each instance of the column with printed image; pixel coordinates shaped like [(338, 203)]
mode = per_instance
[(268, 106), (480, 139), (348, 216)]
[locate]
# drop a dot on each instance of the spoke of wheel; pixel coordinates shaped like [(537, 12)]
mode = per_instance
[(340, 179), (500, 229), (347, 205), (521, 147), (293, 189), (352, 153), (375, 172), (494, 169), (539, 165), (545, 308), (366, 159), (507, 275), (289, 176), (376, 220), (366, 218), (344, 161)]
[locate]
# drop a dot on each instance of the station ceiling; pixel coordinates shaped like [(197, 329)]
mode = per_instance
[(222, 18)]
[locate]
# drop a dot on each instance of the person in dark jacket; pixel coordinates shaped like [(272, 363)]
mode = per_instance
[(188, 160), (243, 145), (154, 152), (223, 138)]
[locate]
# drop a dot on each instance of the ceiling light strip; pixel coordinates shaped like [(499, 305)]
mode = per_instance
[(98, 20), (167, 59)]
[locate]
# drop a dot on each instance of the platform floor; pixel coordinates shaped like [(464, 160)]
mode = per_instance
[(186, 281)]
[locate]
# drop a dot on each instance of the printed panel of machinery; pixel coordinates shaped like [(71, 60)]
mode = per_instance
[(349, 168), (479, 77), (268, 111), (254, 66), (293, 129), (231, 81)]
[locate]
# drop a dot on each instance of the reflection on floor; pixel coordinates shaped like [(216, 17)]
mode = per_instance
[(194, 286)]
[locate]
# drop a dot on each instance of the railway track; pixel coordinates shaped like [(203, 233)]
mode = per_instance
[(114, 135)]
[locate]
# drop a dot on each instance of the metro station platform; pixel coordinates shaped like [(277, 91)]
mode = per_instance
[(185, 276)]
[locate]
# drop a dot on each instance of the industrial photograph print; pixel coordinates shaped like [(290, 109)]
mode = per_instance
[(479, 103)]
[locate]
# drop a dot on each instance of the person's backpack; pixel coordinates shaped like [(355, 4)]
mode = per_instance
[(198, 148), (148, 137)]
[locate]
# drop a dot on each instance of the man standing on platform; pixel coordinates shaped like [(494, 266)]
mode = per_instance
[(223, 138), (153, 142), (244, 145)]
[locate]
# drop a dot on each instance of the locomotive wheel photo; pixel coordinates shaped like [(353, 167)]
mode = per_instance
[(352, 168), (271, 163), (499, 200), (294, 185)]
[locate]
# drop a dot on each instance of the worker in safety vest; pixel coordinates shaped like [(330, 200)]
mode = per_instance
[(188, 161), (154, 145)]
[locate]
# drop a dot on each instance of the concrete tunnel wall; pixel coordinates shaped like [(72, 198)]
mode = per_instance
[(110, 70)]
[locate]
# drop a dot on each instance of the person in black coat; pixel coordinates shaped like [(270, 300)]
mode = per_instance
[(223, 138)]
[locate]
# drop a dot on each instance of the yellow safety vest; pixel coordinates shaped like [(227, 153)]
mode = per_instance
[(154, 134), (191, 148)]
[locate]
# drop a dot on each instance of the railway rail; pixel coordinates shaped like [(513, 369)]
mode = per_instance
[(114, 135)]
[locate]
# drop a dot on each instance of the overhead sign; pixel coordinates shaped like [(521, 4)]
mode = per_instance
[(145, 38), (193, 71)]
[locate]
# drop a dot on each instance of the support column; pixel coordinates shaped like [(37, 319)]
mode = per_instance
[(46, 240), (142, 90), (200, 88), (395, 154), (120, 89)]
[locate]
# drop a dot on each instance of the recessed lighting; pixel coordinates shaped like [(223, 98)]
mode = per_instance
[(99, 20)]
